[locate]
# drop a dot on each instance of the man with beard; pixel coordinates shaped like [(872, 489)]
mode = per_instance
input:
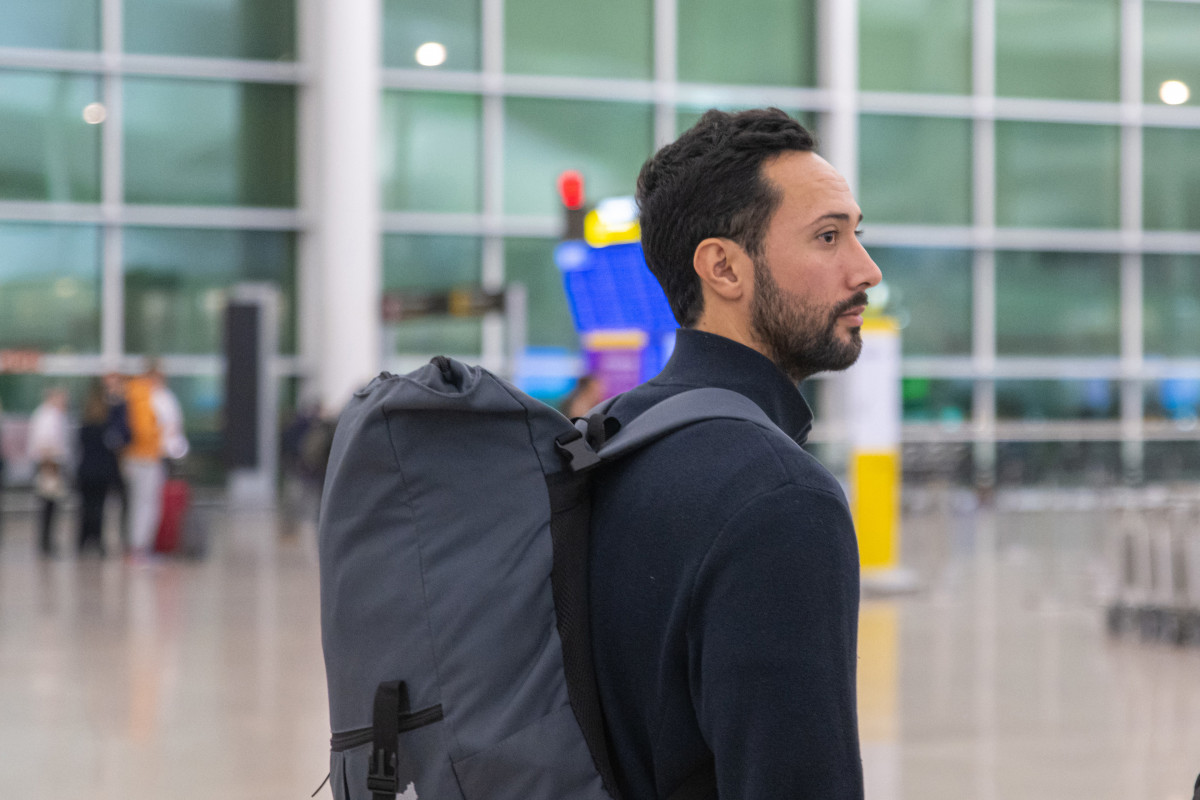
[(724, 565)]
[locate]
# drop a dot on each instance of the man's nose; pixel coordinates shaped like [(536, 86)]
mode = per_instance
[(866, 271)]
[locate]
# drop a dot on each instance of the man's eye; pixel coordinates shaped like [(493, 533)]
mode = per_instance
[(828, 237), (858, 233)]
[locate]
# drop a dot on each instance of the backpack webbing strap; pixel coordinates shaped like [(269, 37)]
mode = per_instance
[(570, 504), (677, 411), (391, 701)]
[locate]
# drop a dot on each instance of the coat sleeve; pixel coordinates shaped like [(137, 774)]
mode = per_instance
[(772, 641)]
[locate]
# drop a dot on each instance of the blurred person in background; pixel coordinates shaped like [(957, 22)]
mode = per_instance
[(118, 437), (296, 501), (98, 468), (1, 471), (155, 427), (49, 451), (586, 394)]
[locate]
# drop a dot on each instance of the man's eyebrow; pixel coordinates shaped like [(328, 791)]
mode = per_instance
[(840, 217)]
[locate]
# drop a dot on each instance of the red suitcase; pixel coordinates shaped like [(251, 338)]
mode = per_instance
[(176, 496)]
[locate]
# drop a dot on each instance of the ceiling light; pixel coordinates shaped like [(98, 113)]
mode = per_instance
[(1174, 93), (431, 54)]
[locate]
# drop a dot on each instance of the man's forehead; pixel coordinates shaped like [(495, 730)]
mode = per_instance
[(811, 183)]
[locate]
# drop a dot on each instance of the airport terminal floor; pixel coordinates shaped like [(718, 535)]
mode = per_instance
[(996, 680)]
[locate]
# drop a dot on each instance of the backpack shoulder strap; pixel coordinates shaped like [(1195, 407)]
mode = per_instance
[(681, 410)]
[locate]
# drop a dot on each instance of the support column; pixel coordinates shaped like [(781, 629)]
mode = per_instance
[(348, 214), (838, 74), (112, 282), (1132, 356)]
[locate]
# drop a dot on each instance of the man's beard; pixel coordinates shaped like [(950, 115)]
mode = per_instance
[(801, 338)]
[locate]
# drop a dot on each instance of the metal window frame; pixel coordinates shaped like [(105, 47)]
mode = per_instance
[(837, 97)]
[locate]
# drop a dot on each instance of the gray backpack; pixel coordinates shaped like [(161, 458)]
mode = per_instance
[(453, 560)]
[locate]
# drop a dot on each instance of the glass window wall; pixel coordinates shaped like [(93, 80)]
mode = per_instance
[(928, 400), (928, 291), (251, 29), (194, 142), (1170, 51), (1053, 175), (177, 281), (430, 152), (593, 40), (915, 170), (530, 262), (1171, 199), (1057, 304), (50, 287), (420, 267), (1057, 399), (607, 142), (919, 46), (1171, 306), (763, 42), (51, 24), (454, 24), (1060, 49), (49, 151)]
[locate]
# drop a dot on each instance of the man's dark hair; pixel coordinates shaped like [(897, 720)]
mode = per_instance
[(706, 183)]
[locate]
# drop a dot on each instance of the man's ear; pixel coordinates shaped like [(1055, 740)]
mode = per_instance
[(724, 268)]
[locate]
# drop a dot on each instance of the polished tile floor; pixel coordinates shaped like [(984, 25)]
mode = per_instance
[(996, 680)]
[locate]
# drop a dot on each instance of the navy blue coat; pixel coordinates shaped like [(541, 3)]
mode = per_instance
[(724, 597)]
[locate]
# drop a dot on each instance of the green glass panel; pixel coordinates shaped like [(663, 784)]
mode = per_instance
[(257, 29), (20, 394), (1171, 199), (202, 400), (50, 24), (1165, 462), (1171, 305), (929, 293), (530, 262), (408, 24), (946, 401), (1062, 49), (48, 151), (177, 282), (421, 264), (687, 116), (915, 170), (1057, 304), (1051, 175), (915, 46), (760, 42), (50, 287), (1071, 464), (424, 262), (1172, 399), (430, 152), (1051, 400), (1171, 48), (594, 40), (209, 143), (607, 142)]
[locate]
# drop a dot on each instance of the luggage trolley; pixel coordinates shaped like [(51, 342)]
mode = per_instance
[(1156, 548)]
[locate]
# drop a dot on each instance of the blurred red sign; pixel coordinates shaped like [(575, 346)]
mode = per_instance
[(20, 361)]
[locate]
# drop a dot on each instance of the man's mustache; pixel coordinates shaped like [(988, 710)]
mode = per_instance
[(859, 299)]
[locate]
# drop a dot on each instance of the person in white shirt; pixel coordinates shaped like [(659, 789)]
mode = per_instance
[(48, 449)]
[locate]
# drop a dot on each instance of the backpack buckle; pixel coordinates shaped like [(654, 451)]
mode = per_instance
[(576, 451), (381, 774)]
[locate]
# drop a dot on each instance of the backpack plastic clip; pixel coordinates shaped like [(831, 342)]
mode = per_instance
[(574, 448), (381, 775)]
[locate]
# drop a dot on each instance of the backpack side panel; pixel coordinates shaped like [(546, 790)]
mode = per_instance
[(436, 560)]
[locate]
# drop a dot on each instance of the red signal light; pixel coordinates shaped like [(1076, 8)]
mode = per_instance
[(570, 189)]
